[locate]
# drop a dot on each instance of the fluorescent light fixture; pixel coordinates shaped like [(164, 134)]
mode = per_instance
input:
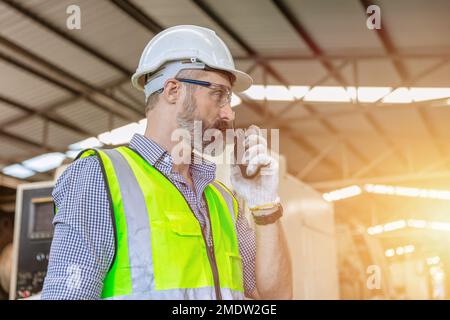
[(375, 230), (272, 92), (399, 95), (372, 94), (367, 94), (278, 93), (351, 91), (18, 171), (395, 225), (235, 100), (45, 162), (390, 253), (418, 224), (412, 223), (256, 92), (376, 188), (409, 248), (433, 260), (423, 94), (408, 192), (88, 143), (437, 274), (120, 135), (388, 190), (399, 251), (142, 125), (72, 154), (299, 91), (407, 95), (342, 193), (328, 94), (346, 94), (443, 226)]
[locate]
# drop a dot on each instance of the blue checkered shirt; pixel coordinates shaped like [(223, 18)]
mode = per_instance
[(83, 243)]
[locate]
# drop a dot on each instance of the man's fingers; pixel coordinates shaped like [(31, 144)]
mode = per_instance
[(253, 129), (254, 139), (253, 152), (259, 160)]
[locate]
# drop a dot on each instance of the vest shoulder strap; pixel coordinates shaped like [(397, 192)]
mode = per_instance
[(230, 200), (86, 153)]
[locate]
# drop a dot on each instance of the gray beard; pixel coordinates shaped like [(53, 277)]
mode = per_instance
[(186, 119)]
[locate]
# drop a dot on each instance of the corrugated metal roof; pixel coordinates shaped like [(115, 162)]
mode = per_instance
[(65, 55), (416, 25), (338, 26), (302, 73), (132, 95), (439, 78), (261, 25), (60, 137), (440, 117), (174, 12), (377, 72), (86, 116), (363, 139), (26, 88), (32, 128), (117, 122), (8, 112), (12, 150), (103, 26), (336, 155), (398, 122), (351, 123)]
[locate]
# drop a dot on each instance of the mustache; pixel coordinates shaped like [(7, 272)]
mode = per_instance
[(222, 125)]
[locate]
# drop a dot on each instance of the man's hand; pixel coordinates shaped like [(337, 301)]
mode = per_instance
[(262, 189), (273, 263)]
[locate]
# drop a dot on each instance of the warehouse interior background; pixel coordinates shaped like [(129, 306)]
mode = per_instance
[(363, 114)]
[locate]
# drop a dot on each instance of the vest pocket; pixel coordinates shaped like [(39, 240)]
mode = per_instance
[(179, 254), (183, 223), (236, 270)]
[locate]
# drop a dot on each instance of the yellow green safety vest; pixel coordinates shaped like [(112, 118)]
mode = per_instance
[(161, 251)]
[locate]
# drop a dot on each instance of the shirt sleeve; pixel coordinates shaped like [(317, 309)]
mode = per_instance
[(247, 250), (83, 243)]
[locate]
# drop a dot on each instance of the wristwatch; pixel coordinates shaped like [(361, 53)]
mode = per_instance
[(269, 218)]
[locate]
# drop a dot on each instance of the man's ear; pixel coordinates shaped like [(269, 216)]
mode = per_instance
[(172, 91)]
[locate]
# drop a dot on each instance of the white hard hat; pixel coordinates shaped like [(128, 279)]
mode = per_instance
[(184, 47)]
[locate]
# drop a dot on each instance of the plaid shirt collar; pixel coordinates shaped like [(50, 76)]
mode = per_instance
[(158, 157)]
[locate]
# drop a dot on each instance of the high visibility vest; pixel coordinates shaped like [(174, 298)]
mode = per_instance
[(161, 251)]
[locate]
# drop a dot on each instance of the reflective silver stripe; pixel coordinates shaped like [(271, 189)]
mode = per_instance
[(138, 225), (227, 197), (205, 293)]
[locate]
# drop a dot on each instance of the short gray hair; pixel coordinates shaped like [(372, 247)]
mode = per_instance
[(154, 97)]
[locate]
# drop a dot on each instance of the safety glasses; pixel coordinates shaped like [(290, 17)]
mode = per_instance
[(222, 94)]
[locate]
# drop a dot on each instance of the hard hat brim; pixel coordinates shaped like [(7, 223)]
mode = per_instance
[(243, 80)]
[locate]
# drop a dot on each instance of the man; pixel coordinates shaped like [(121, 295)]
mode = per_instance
[(138, 223)]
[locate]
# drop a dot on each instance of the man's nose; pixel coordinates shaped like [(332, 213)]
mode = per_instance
[(226, 113)]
